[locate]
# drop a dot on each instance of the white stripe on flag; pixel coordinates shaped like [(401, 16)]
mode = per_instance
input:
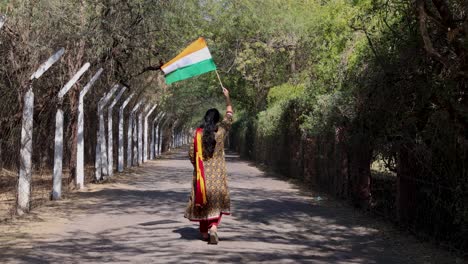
[(197, 56)]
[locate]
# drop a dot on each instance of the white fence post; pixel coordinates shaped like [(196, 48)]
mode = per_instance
[(161, 134), (140, 134), (58, 146), (97, 160), (153, 136), (173, 145), (79, 181), (157, 132), (135, 140), (179, 137), (2, 21), (157, 150), (151, 156), (110, 141), (120, 159), (25, 170), (101, 153), (25, 174), (129, 140), (131, 127), (182, 137), (145, 133)]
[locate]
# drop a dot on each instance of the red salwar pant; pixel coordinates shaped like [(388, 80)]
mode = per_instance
[(207, 224)]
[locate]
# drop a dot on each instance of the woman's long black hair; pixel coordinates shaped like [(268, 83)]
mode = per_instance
[(209, 129)]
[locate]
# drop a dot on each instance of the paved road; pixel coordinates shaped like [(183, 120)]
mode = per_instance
[(139, 219)]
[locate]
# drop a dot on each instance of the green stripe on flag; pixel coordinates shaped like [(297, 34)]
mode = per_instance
[(190, 71)]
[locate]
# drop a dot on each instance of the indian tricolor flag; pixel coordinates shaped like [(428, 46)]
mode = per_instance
[(192, 61)]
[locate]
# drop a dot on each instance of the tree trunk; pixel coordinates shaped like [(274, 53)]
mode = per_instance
[(341, 162), (360, 174)]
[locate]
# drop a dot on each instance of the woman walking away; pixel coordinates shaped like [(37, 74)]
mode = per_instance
[(209, 198)]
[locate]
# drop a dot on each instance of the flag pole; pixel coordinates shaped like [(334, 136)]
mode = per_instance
[(217, 74)]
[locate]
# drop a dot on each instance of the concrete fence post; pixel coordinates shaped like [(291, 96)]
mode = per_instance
[(2, 21), (153, 135), (131, 136), (79, 181), (140, 134), (157, 147), (173, 135), (120, 159), (25, 170), (110, 141), (58, 142), (161, 135), (145, 133), (101, 153)]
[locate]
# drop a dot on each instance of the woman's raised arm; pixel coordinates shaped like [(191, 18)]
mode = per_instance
[(228, 101)]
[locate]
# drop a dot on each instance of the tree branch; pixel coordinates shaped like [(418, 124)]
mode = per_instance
[(422, 19), (149, 68), (445, 13)]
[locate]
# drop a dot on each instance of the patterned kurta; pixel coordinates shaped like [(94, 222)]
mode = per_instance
[(217, 193)]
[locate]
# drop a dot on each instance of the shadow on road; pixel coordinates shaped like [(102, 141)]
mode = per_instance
[(141, 220)]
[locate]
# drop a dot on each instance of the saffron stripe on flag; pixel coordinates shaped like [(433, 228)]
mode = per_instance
[(190, 71)]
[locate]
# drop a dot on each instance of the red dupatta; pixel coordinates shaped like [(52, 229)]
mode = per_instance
[(200, 191)]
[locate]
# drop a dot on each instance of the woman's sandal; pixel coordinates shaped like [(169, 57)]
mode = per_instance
[(213, 238)]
